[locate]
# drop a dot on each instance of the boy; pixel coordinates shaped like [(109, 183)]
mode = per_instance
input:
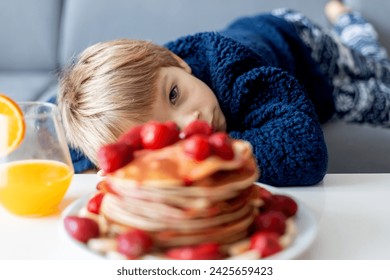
[(271, 79)]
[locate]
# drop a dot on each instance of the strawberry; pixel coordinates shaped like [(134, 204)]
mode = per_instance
[(271, 221), (80, 228), (283, 204), (94, 203), (187, 181), (206, 251), (197, 147), (134, 243), (132, 138), (173, 130), (221, 145), (264, 193), (197, 127), (266, 196), (157, 135), (266, 243), (114, 156)]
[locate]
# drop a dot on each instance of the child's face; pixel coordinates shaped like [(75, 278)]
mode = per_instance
[(182, 98)]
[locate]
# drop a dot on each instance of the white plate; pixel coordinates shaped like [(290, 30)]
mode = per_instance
[(305, 220), (307, 227)]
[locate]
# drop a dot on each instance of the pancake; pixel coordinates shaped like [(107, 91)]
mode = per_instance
[(171, 166), (153, 193)]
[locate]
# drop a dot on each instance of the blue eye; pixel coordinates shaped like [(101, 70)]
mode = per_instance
[(174, 95)]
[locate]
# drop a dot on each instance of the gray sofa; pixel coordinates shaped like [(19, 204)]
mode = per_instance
[(38, 38)]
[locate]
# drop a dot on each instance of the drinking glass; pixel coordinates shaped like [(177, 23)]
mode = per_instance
[(36, 175)]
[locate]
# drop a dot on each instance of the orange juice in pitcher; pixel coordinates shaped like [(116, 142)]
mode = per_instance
[(35, 164)]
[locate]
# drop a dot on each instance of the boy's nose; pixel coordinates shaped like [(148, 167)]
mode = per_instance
[(196, 115)]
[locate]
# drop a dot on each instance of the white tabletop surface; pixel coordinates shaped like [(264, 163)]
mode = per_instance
[(352, 212)]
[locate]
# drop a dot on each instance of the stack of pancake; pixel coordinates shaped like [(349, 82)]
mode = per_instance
[(180, 201)]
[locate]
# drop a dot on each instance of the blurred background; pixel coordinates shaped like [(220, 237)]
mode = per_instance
[(39, 38)]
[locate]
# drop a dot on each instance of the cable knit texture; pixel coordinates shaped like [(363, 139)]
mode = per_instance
[(271, 92)]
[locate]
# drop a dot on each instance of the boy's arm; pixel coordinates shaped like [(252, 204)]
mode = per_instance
[(81, 163), (279, 120)]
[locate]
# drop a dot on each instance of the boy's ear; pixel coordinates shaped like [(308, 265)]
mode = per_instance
[(183, 64)]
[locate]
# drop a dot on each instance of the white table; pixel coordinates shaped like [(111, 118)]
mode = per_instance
[(352, 211)]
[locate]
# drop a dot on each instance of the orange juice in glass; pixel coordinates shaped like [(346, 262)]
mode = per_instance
[(35, 176)]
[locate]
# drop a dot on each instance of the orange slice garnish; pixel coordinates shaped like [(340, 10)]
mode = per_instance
[(12, 125)]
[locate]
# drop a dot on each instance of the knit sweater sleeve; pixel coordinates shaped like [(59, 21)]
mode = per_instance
[(263, 104), (280, 123)]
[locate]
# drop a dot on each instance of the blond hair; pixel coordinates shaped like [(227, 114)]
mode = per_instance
[(109, 89)]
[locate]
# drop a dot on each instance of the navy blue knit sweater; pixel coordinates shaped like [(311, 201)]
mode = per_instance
[(271, 92)]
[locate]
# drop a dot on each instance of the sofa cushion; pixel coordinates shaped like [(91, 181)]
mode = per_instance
[(89, 21), (355, 148), (29, 34), (25, 85), (49, 92)]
